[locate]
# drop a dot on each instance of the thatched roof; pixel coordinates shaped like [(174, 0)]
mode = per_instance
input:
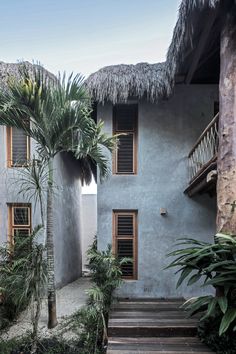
[(9, 70), (119, 82), (152, 81), (189, 22)]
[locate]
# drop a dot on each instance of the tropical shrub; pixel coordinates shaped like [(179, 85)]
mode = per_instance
[(212, 264), (22, 278), (91, 321), (52, 345), (106, 274), (88, 325), (208, 331)]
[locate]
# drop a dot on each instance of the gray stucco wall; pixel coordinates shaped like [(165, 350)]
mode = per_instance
[(166, 133), (89, 224), (68, 224), (67, 219)]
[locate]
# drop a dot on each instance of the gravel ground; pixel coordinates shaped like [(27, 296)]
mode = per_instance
[(69, 299)]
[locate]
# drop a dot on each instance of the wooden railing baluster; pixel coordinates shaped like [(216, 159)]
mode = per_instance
[(204, 150)]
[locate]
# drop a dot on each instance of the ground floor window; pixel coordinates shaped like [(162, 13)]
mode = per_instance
[(125, 240), (19, 221)]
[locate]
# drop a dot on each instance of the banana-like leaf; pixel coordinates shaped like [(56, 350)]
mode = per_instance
[(227, 319), (194, 278), (223, 303), (219, 264), (185, 272), (211, 308)]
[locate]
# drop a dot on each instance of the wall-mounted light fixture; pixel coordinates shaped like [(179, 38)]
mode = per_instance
[(163, 211)]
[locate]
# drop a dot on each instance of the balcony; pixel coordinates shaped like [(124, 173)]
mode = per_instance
[(202, 161)]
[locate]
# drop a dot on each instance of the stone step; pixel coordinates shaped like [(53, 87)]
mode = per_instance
[(152, 345), (179, 300), (149, 326), (148, 329), (141, 318), (148, 306), (152, 314)]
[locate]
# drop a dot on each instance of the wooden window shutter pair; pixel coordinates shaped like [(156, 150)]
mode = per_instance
[(125, 240), (18, 147), (125, 122), (19, 221)]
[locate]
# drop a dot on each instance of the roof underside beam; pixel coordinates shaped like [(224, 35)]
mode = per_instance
[(201, 45)]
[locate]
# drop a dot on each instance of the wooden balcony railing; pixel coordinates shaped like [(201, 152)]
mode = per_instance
[(204, 152)]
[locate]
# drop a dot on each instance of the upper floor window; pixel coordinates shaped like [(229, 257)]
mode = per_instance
[(19, 221), (125, 119), (18, 147)]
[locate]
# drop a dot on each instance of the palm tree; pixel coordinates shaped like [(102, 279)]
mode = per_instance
[(56, 114)]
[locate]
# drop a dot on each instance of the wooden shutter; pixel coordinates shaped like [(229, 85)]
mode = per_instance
[(18, 149), (19, 221), (20, 215), (125, 122), (125, 240)]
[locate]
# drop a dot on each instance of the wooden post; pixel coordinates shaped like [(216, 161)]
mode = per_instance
[(226, 185)]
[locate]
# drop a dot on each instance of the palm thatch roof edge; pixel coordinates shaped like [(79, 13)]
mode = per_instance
[(12, 70), (117, 83)]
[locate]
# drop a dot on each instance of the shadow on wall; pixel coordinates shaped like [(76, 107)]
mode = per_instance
[(70, 163), (206, 202), (68, 255), (89, 224)]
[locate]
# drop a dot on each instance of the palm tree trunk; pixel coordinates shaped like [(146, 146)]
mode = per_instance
[(36, 316), (226, 185), (41, 209), (42, 219), (52, 316)]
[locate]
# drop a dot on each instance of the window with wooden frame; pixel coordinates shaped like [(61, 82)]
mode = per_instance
[(125, 120), (18, 147), (19, 221), (125, 236)]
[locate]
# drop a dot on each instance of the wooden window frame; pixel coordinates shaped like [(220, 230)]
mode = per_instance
[(9, 149), (12, 226), (135, 143), (115, 237)]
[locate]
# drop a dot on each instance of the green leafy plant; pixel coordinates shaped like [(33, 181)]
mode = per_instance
[(213, 264), (208, 331), (23, 278), (53, 345), (87, 323), (106, 274), (91, 321)]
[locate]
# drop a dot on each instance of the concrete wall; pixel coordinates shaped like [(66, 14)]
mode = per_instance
[(166, 133), (89, 223), (67, 220)]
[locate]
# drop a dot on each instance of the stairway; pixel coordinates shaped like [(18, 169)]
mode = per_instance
[(152, 326)]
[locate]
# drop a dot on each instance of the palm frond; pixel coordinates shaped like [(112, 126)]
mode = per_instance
[(57, 115)]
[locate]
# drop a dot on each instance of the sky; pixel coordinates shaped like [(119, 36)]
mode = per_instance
[(83, 36)]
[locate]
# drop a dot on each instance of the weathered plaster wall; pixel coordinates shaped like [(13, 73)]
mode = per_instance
[(166, 133), (68, 249), (67, 221), (89, 223)]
